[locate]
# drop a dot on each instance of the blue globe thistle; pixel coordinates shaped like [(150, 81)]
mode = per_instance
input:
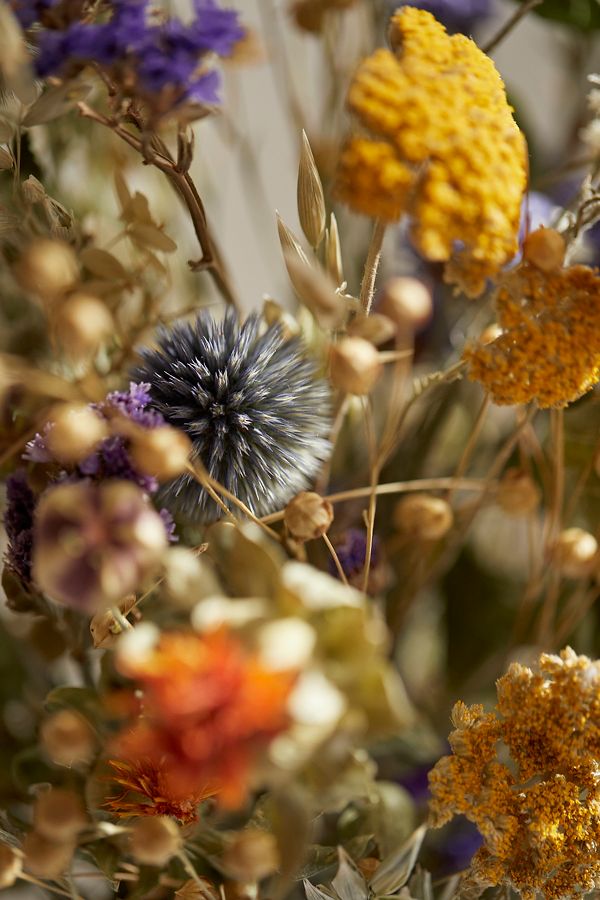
[(251, 402)]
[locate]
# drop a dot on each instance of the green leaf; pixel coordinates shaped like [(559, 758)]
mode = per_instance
[(581, 14)]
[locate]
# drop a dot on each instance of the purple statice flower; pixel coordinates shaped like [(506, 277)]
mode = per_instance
[(18, 522), (351, 550), (457, 15), (163, 60)]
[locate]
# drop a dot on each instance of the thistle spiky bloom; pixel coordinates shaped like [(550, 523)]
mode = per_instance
[(528, 776), (210, 707), (549, 351), (252, 403), (439, 144)]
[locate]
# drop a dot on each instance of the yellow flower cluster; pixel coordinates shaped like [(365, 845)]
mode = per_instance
[(538, 810), (442, 146), (549, 350)]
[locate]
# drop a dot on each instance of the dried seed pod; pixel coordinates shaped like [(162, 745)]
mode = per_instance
[(163, 452), (75, 431), (47, 268), (333, 251), (308, 516), (11, 865), (68, 738), (575, 552), (376, 328), (518, 494), (251, 855), (407, 302), (274, 314), (423, 517), (59, 815), (154, 840), (82, 324), (354, 365), (311, 201), (104, 628), (47, 859), (545, 249)]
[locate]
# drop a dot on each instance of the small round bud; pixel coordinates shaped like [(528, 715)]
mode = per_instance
[(59, 815), (423, 517), (308, 516), (354, 365), (518, 493), (575, 552), (46, 859), (68, 738), (154, 840), (47, 268), (163, 452), (11, 865), (489, 334), (82, 324), (251, 855), (407, 302), (376, 328), (544, 249), (75, 430)]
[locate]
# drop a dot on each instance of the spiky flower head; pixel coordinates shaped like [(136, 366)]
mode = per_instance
[(251, 402)]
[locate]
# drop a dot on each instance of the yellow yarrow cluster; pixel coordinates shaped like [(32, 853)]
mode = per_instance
[(539, 814), (442, 146), (549, 350)]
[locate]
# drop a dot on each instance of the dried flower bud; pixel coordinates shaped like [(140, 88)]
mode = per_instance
[(333, 251), (75, 431), (251, 855), (11, 865), (274, 314), (68, 738), (518, 493), (376, 328), (47, 859), (94, 543), (575, 552), (317, 292), (311, 202), (154, 840), (423, 517), (308, 516), (82, 324), (407, 302), (59, 815), (104, 628), (163, 452), (545, 249), (354, 365), (489, 334), (47, 268)]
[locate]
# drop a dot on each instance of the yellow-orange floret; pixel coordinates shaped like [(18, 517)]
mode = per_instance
[(528, 776), (549, 351), (454, 158)]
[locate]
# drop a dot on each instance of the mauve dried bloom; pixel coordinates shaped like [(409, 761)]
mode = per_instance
[(94, 543), (252, 404)]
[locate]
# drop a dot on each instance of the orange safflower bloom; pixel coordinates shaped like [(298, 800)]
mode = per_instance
[(209, 707), (146, 791)]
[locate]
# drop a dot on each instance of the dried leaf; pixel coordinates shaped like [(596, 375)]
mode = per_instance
[(349, 883), (316, 291), (333, 252), (103, 264), (314, 893), (6, 159), (33, 190), (55, 102), (15, 60), (151, 236), (395, 869), (123, 194)]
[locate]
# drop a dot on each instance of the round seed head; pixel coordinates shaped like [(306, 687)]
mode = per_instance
[(67, 738), (308, 516), (423, 517), (47, 268), (154, 840), (354, 365), (576, 552), (252, 404)]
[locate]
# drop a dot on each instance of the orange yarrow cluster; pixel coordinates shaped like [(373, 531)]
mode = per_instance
[(441, 145), (549, 351), (539, 814), (209, 708)]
